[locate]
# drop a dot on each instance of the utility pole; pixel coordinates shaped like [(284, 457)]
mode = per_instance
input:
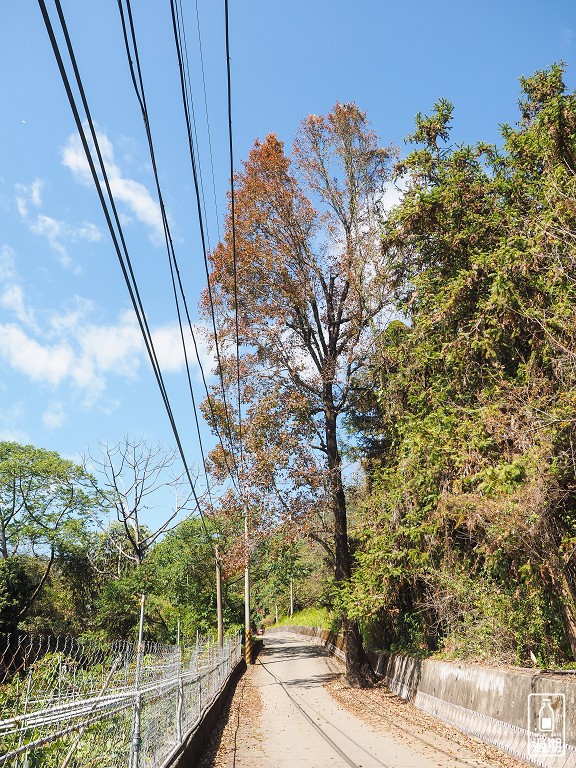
[(248, 630), (219, 601), (136, 718)]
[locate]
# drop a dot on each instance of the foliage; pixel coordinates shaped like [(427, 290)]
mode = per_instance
[(283, 561), (296, 290), (45, 507), (467, 416), (461, 410), (17, 583), (311, 617)]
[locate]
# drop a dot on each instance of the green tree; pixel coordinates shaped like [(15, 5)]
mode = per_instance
[(181, 569), (468, 413), (44, 503)]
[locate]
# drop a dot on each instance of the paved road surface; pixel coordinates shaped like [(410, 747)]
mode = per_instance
[(302, 725)]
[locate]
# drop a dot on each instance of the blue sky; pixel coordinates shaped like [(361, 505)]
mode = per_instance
[(72, 365)]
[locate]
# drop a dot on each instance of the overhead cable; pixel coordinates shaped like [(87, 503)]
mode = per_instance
[(131, 46), (233, 216), (187, 115), (110, 213)]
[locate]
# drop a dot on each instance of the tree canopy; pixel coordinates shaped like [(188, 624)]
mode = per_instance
[(298, 286), (468, 411)]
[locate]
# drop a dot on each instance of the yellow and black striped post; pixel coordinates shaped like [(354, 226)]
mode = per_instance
[(248, 647)]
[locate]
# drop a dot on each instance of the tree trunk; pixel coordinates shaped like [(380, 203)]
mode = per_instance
[(359, 673), (337, 501), (3, 542), (24, 610)]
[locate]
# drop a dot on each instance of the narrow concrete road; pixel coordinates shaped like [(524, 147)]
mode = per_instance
[(302, 725)]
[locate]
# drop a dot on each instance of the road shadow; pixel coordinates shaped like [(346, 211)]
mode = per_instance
[(283, 650), (279, 650), (313, 681)]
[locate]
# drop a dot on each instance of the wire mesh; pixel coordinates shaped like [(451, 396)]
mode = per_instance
[(73, 704)]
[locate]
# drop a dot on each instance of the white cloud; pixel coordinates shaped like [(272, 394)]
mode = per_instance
[(26, 196), (134, 195), (7, 262), (86, 231), (58, 233), (168, 345), (54, 416), (14, 436), (36, 192), (43, 363), (11, 292), (66, 321), (70, 350), (113, 348), (139, 201), (53, 231), (9, 417), (12, 299), (393, 194)]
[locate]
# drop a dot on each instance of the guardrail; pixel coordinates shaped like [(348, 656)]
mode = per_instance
[(68, 703)]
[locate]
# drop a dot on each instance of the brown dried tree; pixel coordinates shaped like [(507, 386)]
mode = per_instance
[(310, 287)]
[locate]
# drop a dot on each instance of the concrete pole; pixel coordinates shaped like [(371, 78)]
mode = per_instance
[(248, 631), (291, 598), (136, 735), (219, 601)]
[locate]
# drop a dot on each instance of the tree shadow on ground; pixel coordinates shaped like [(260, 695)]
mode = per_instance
[(284, 650), (313, 681)]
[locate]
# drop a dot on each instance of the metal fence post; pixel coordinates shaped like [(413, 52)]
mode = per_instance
[(136, 735), (199, 678), (180, 700)]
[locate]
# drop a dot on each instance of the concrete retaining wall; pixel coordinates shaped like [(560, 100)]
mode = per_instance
[(490, 703)]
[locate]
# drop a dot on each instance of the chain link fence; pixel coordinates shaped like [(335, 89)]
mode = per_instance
[(68, 703)]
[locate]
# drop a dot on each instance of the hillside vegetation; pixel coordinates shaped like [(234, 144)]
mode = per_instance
[(466, 418)]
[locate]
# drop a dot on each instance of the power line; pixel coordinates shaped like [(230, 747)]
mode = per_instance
[(187, 112), (233, 215), (111, 215), (184, 43), (207, 119), (138, 84), (131, 45)]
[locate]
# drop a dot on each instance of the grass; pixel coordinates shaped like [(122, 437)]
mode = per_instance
[(309, 617)]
